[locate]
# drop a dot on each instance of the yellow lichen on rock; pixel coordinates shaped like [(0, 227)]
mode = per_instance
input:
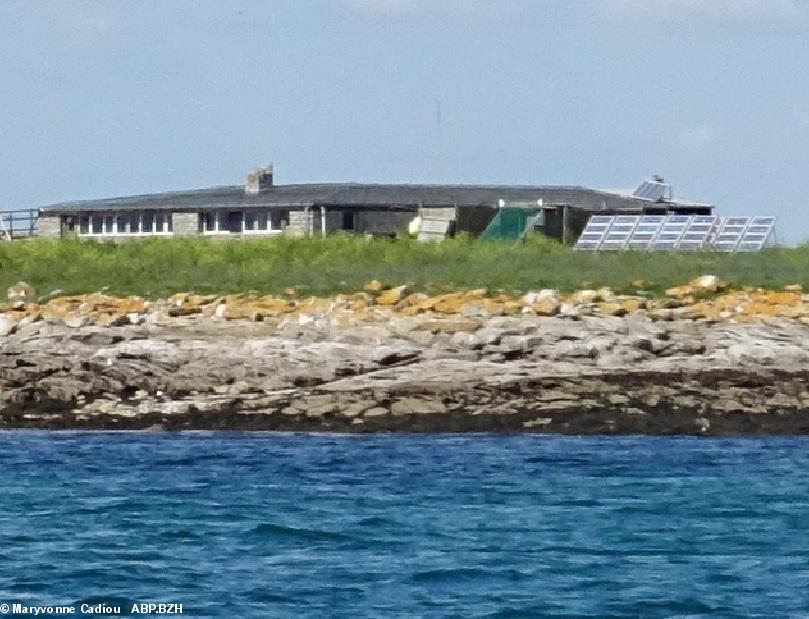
[(704, 298), (612, 309), (373, 286), (548, 306), (392, 296)]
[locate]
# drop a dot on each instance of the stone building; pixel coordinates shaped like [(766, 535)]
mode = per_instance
[(262, 208)]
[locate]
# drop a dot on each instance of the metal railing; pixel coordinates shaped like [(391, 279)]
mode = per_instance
[(18, 224)]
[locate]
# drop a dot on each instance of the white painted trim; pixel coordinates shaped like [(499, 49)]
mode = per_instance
[(114, 232), (268, 231)]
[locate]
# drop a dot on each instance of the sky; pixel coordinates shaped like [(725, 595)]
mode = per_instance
[(102, 98)]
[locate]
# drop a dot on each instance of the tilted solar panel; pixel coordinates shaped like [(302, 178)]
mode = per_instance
[(620, 232), (646, 231), (756, 233), (594, 232), (671, 232), (730, 233), (697, 234), (651, 190), (676, 232)]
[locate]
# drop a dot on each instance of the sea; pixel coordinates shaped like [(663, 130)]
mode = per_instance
[(315, 525)]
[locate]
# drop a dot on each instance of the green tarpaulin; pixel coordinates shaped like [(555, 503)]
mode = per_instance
[(508, 225)]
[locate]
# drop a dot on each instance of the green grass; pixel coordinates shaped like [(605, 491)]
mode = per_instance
[(159, 267)]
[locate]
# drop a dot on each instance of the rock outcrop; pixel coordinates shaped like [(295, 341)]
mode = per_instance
[(702, 360)]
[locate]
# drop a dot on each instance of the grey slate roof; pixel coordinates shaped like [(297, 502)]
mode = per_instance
[(364, 195)]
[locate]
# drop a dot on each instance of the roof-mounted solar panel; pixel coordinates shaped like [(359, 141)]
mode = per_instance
[(652, 190)]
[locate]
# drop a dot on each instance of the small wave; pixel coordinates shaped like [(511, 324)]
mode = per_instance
[(278, 531), (178, 534), (528, 612), (376, 521), (449, 574)]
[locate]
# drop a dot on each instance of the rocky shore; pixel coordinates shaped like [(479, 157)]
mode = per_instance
[(699, 360)]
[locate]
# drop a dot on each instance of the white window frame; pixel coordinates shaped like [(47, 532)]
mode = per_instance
[(218, 218), (106, 232), (258, 212)]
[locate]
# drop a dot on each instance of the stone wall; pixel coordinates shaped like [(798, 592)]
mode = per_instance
[(185, 223), (50, 226), (300, 222), (446, 213)]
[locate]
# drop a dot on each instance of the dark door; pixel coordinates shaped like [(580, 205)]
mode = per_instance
[(235, 219), (349, 223)]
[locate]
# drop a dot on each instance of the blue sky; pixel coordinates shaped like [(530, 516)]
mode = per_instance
[(105, 98)]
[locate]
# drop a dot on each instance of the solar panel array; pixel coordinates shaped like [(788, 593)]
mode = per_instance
[(675, 232)]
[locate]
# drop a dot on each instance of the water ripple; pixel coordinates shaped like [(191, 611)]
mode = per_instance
[(274, 525)]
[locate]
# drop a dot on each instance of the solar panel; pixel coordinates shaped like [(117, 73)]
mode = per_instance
[(594, 232), (651, 190), (620, 232), (676, 232), (646, 231), (672, 231), (730, 233), (698, 232), (756, 233)]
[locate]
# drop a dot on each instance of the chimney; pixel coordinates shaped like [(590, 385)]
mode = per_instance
[(258, 180)]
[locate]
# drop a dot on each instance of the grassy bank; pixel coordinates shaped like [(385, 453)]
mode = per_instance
[(159, 267)]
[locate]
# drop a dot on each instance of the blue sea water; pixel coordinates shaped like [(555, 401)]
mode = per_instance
[(273, 525)]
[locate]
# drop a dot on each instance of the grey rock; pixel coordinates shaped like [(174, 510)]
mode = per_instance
[(7, 325)]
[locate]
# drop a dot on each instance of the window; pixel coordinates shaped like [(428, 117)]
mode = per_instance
[(263, 221), (215, 222), (253, 221), (207, 222), (279, 218), (125, 224)]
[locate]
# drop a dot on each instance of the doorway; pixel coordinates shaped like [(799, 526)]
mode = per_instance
[(235, 221)]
